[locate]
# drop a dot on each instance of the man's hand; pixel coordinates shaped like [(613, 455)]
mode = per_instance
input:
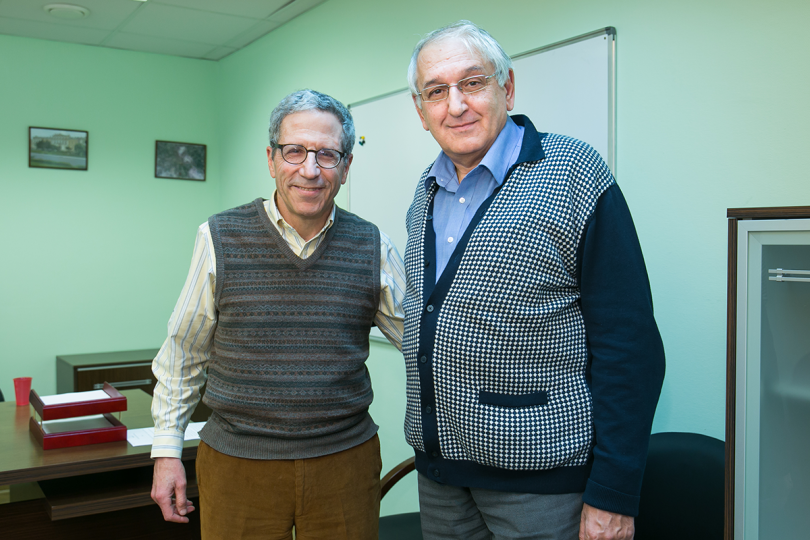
[(603, 525), (169, 489)]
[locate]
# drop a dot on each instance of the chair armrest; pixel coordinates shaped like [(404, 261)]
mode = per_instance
[(395, 475)]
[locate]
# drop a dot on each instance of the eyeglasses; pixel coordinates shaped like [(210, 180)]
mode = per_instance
[(470, 85), (295, 154)]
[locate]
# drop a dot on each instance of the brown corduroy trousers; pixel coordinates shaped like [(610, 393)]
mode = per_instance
[(333, 497)]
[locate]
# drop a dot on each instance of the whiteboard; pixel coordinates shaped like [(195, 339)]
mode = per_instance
[(566, 87)]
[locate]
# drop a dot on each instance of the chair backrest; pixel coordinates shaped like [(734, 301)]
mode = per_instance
[(682, 494)]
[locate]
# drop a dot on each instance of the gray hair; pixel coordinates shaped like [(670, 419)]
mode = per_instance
[(477, 40), (307, 100)]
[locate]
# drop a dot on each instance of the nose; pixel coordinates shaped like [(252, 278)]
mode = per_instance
[(456, 102), (309, 168)]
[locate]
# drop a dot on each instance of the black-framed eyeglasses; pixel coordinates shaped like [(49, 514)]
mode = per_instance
[(295, 154), (470, 85)]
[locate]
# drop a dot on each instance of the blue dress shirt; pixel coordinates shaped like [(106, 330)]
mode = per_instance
[(455, 203)]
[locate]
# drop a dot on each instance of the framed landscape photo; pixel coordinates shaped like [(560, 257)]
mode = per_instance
[(50, 148), (183, 161)]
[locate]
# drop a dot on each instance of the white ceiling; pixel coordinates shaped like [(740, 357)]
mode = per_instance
[(205, 29)]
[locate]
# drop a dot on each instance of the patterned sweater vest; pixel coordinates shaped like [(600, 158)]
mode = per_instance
[(501, 351), (287, 376)]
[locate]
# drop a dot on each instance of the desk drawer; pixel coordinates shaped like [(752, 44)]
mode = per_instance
[(122, 377)]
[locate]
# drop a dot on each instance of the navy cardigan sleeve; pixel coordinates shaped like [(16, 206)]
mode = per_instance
[(626, 360)]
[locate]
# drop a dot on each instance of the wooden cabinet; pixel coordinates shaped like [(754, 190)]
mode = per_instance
[(768, 374), (123, 370)]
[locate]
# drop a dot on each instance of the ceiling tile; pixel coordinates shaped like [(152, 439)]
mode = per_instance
[(294, 10), (53, 32), (186, 24), (191, 28), (255, 9), (104, 14), (175, 47), (252, 34), (219, 53)]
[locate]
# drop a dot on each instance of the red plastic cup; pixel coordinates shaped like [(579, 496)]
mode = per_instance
[(22, 387)]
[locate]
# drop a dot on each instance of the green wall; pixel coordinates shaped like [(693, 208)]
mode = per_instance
[(712, 114), (93, 261)]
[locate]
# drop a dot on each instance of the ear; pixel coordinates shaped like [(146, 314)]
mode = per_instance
[(270, 162), (345, 175), (419, 112), (509, 86)]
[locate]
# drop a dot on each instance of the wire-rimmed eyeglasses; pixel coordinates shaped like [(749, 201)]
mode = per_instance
[(295, 154), (470, 85)]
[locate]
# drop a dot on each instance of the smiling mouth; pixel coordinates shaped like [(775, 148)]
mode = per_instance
[(308, 190)]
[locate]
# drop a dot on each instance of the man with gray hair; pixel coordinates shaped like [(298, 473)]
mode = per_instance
[(277, 307), (533, 359)]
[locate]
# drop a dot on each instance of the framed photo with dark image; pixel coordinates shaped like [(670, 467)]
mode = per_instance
[(50, 148), (182, 161)]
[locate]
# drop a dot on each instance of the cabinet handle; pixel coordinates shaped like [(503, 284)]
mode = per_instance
[(123, 384), (781, 275), (115, 366)]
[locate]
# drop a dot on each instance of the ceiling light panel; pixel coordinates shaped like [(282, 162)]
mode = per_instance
[(104, 14), (68, 12), (186, 24)]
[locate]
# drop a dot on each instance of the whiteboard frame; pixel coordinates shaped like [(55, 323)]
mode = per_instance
[(610, 33)]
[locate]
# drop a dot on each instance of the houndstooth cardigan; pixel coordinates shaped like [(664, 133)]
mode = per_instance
[(534, 363)]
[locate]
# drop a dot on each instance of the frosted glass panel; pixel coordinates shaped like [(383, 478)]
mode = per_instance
[(784, 430)]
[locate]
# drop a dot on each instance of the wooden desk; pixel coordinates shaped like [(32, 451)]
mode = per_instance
[(109, 484)]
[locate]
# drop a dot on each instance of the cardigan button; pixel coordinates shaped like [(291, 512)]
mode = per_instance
[(434, 453), (429, 309), (427, 263), (430, 217), (428, 410), (423, 359)]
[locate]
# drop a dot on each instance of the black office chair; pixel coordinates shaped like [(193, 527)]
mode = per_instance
[(682, 494), (406, 526)]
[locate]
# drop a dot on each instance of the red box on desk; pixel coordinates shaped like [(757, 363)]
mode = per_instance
[(110, 430)]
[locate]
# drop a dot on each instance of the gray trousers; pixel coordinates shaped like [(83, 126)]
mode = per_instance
[(454, 513)]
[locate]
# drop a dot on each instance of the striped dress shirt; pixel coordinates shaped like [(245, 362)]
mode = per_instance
[(180, 364)]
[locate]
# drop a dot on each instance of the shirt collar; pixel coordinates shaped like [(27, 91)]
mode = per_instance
[(501, 155), (275, 216)]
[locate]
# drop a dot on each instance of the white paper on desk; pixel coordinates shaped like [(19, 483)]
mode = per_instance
[(74, 397), (145, 436)]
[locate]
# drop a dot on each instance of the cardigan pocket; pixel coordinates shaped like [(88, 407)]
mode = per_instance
[(506, 400)]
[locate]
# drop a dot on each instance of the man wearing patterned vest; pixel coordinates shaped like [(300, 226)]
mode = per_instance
[(534, 362), (277, 307)]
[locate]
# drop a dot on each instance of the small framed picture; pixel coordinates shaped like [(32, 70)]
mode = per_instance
[(50, 148), (184, 161)]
